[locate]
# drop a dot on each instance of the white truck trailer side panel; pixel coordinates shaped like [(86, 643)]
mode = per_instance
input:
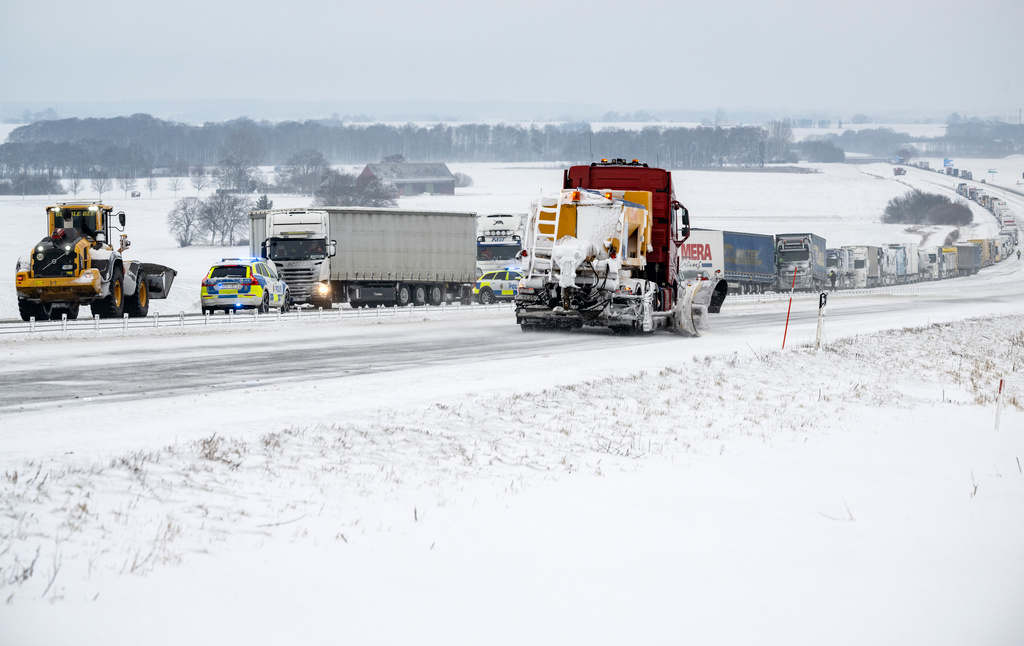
[(393, 244)]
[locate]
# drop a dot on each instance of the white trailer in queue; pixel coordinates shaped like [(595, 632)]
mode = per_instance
[(936, 263), (370, 256), (866, 266)]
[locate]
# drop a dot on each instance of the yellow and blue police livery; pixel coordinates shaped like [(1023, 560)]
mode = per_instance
[(244, 283), (497, 285)]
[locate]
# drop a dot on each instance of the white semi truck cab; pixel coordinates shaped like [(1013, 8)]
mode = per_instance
[(499, 241), (299, 242)]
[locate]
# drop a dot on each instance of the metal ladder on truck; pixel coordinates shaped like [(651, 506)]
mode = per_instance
[(544, 231)]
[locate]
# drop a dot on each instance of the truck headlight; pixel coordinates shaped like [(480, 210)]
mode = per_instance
[(323, 289)]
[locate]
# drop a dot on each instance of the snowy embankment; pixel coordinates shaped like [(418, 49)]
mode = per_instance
[(741, 498), (583, 488)]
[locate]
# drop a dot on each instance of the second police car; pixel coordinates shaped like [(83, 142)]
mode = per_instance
[(497, 285), (244, 283)]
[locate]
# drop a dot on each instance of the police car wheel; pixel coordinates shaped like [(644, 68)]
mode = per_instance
[(486, 296), (265, 305)]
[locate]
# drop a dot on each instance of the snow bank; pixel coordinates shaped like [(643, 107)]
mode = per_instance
[(795, 489)]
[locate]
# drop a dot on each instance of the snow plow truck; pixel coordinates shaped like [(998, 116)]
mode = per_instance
[(605, 252), (75, 265)]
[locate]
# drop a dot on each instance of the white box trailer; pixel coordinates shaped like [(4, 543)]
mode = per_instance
[(384, 256), (866, 265)]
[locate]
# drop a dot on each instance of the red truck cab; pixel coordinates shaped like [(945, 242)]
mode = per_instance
[(671, 225)]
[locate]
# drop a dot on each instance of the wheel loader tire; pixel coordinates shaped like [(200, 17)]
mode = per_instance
[(137, 305), (73, 311), (28, 309), (112, 307)]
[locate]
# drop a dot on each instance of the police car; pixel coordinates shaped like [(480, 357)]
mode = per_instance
[(244, 283), (497, 285)]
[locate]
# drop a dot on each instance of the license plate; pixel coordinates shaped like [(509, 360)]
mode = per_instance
[(228, 291)]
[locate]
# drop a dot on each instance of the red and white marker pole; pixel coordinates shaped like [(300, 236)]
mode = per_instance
[(791, 289)]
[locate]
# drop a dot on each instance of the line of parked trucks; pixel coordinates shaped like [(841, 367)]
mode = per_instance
[(613, 248), (753, 263)]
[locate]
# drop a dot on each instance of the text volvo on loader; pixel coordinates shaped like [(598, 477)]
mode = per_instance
[(75, 265), (605, 252)]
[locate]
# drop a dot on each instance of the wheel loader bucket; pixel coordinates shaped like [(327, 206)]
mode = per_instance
[(159, 279)]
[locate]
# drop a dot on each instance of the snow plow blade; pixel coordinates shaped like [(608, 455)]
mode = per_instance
[(685, 324)]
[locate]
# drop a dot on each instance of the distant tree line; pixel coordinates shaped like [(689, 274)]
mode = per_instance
[(973, 139), (134, 146)]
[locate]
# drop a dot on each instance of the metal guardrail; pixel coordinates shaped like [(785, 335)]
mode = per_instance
[(928, 288), (246, 318)]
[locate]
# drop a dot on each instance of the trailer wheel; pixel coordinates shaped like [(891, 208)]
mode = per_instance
[(419, 295), (404, 296), (436, 295)]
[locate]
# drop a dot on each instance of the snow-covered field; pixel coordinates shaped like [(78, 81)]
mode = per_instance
[(580, 488)]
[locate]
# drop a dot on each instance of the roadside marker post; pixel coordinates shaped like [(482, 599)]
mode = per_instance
[(822, 301)]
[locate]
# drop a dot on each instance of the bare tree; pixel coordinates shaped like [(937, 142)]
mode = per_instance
[(224, 217), (126, 182), (75, 184), (175, 184), (239, 157), (780, 138), (305, 170), (184, 220), (100, 184), (199, 179), (151, 185), (344, 189)]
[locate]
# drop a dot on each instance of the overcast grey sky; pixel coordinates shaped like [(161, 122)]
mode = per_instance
[(682, 54)]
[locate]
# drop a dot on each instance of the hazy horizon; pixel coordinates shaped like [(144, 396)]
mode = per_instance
[(787, 58)]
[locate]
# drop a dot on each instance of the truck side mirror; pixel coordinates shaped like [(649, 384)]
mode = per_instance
[(680, 222), (333, 249)]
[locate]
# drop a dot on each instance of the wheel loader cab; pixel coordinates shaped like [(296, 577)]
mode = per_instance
[(88, 219)]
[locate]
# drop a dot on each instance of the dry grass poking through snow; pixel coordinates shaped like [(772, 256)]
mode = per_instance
[(62, 519)]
